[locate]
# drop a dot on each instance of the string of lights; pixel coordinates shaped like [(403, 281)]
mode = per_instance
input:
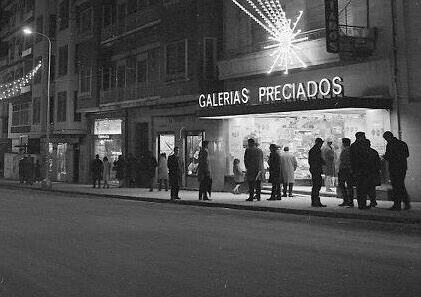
[(13, 88), (270, 15)]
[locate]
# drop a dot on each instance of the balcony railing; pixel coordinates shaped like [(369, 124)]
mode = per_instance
[(131, 22), (356, 40), (137, 91)]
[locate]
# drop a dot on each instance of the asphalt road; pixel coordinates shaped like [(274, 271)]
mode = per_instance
[(57, 245)]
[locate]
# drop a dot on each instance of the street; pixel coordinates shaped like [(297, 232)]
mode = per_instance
[(59, 245)]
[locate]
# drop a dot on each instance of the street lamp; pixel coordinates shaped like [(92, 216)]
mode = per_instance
[(46, 183)]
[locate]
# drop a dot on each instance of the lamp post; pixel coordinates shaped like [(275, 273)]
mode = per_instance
[(46, 183)]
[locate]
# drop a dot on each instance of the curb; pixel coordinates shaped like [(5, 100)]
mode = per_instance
[(295, 211)]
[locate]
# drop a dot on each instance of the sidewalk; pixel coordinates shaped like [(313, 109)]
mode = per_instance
[(299, 204)]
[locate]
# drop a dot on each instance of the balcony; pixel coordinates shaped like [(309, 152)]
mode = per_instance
[(356, 41), (140, 92), (144, 18)]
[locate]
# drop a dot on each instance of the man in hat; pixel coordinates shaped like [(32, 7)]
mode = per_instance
[(360, 168), (316, 163), (253, 160), (204, 172), (397, 154)]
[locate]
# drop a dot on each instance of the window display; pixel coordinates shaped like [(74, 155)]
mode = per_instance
[(193, 145), (299, 129)]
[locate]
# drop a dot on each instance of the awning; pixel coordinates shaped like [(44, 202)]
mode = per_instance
[(313, 104)]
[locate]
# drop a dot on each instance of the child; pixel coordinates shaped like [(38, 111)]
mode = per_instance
[(238, 176)]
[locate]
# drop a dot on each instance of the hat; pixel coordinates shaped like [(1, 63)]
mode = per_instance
[(319, 140), (273, 146)]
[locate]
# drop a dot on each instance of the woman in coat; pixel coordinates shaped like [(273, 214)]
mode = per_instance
[(162, 172), (328, 156), (275, 175), (106, 172), (288, 167)]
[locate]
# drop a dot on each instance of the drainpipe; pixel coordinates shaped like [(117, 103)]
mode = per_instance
[(395, 67)]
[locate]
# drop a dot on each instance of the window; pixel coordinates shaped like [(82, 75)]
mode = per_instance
[(121, 12), (209, 58), (108, 15), (193, 145), (85, 77), (106, 78), (142, 69), (29, 41), (166, 143), (77, 116), (52, 27), (39, 28), (21, 114), (61, 106), (154, 64), (30, 4), (121, 76), (62, 60), (36, 110), (130, 70), (131, 6), (85, 20), (176, 60), (63, 14)]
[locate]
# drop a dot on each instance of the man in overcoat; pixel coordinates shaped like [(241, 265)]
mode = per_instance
[(397, 154), (288, 166), (360, 168), (203, 171), (316, 163), (175, 173), (96, 169), (275, 177), (253, 160)]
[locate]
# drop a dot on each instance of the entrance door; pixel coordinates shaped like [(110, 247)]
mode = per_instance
[(166, 143)]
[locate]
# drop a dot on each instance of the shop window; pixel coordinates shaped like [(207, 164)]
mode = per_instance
[(21, 114), (176, 60), (61, 106), (209, 58), (85, 20), (36, 110), (142, 69), (77, 116), (39, 28), (166, 143), (85, 79), (62, 60), (63, 14), (193, 145)]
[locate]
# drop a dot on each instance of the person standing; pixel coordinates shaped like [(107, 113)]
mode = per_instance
[(374, 167), (120, 168), (150, 169), (162, 172), (316, 163), (175, 169), (106, 172), (238, 176), (203, 171), (288, 166), (360, 168), (345, 174), (37, 171), (275, 175), (397, 154), (328, 156), (96, 169), (253, 160), (131, 170)]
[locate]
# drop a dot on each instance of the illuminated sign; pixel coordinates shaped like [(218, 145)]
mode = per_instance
[(332, 26), (107, 127), (280, 93)]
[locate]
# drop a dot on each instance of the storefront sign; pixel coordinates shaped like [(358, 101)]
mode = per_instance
[(280, 93), (332, 26), (107, 127)]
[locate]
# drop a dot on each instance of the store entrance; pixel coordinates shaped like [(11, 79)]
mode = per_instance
[(298, 129)]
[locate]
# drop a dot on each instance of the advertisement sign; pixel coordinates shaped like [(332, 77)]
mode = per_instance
[(332, 26), (107, 127)]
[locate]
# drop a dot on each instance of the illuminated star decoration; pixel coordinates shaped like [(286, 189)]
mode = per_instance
[(13, 88), (271, 17)]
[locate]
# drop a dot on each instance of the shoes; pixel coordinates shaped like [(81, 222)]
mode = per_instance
[(207, 199), (395, 208), (284, 195), (249, 199), (271, 199), (278, 198), (373, 204), (177, 198), (350, 205), (363, 207), (343, 204), (317, 205), (290, 195)]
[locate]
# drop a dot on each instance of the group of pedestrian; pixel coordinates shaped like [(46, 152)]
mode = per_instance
[(360, 167), (28, 171)]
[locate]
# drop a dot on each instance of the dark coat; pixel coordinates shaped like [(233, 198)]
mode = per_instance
[(203, 168), (359, 156), (120, 168), (96, 168), (253, 160), (274, 168), (315, 160), (397, 154), (175, 170), (374, 165), (150, 165)]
